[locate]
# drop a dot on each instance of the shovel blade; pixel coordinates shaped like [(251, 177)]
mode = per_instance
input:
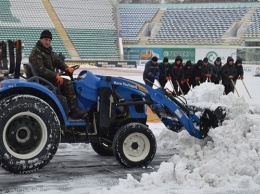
[(220, 113), (210, 119), (207, 120)]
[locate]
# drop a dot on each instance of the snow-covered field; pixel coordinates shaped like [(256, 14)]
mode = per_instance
[(229, 163)]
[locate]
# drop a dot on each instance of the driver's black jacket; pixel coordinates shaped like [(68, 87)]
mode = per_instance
[(45, 61)]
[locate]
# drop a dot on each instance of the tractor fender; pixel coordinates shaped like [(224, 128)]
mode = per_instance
[(13, 87)]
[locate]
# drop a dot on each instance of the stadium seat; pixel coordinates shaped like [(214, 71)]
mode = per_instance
[(16, 23), (197, 25), (132, 20), (94, 35), (254, 29)]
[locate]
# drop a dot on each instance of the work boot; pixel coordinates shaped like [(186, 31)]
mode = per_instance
[(78, 114)]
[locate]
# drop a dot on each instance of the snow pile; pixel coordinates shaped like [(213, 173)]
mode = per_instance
[(209, 95), (231, 160)]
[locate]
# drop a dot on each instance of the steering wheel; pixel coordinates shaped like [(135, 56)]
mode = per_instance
[(75, 67)]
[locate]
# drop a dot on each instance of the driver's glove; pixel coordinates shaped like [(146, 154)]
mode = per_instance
[(59, 80), (69, 70)]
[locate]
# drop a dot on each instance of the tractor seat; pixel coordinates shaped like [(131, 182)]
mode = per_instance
[(32, 76), (29, 70)]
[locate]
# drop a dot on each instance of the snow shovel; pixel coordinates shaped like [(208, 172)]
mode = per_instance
[(211, 119), (189, 85), (198, 82), (172, 87), (246, 88), (180, 87), (234, 86), (157, 83)]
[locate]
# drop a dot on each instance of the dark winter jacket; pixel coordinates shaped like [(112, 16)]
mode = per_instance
[(239, 68), (177, 70), (198, 69), (207, 69), (188, 71), (217, 71), (45, 61), (228, 70), (151, 71), (164, 72)]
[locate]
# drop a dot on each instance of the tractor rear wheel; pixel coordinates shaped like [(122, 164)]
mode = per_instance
[(30, 134), (134, 145)]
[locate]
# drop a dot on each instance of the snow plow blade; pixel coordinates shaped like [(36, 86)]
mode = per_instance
[(210, 119)]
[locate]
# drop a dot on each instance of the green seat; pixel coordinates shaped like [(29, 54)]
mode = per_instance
[(94, 43), (29, 37)]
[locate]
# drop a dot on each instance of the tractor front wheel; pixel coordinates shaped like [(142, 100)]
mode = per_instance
[(134, 145)]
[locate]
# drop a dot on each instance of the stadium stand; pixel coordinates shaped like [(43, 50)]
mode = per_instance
[(17, 23), (196, 26), (181, 1), (93, 34), (93, 28), (132, 20), (254, 29)]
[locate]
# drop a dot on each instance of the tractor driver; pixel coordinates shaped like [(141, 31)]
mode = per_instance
[(44, 61)]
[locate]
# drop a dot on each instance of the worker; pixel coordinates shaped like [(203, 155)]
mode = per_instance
[(164, 68), (44, 62), (228, 74), (151, 71)]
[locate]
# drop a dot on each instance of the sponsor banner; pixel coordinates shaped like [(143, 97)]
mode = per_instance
[(213, 53), (141, 53), (185, 53), (252, 69), (102, 63), (71, 63), (124, 64), (146, 53), (248, 68), (128, 64)]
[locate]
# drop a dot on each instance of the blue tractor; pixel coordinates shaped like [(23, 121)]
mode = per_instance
[(34, 118)]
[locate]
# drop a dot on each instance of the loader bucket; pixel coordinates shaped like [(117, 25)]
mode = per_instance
[(210, 119)]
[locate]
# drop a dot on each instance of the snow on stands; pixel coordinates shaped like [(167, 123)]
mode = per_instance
[(228, 163)]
